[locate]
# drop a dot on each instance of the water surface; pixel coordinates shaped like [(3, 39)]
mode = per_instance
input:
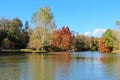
[(61, 66)]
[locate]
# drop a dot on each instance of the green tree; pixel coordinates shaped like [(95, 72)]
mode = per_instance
[(12, 30), (26, 33), (43, 18), (4, 24), (3, 34), (109, 39), (15, 32), (6, 43)]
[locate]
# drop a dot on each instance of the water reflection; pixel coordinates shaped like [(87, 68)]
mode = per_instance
[(40, 67), (61, 66), (46, 67), (13, 68), (111, 65)]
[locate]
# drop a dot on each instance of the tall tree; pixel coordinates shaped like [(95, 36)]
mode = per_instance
[(66, 38), (26, 33), (43, 18)]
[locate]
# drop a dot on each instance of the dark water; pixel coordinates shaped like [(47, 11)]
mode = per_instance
[(61, 66)]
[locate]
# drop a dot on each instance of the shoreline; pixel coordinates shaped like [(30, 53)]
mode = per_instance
[(29, 51), (116, 51), (21, 51)]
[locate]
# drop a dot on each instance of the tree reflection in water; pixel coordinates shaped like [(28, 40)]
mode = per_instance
[(46, 67)]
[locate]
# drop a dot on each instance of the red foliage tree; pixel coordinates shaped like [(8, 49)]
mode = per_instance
[(102, 46), (57, 39), (62, 39), (66, 38)]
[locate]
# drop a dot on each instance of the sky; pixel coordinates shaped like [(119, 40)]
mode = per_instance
[(88, 17)]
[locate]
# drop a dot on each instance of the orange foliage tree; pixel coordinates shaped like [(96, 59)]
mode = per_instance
[(61, 39), (102, 46)]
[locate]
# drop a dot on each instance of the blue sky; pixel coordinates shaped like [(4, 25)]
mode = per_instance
[(91, 17)]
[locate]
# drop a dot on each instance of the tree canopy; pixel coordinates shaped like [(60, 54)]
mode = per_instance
[(107, 40), (43, 20), (12, 34)]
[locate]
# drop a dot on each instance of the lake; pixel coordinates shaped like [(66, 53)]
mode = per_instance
[(61, 66)]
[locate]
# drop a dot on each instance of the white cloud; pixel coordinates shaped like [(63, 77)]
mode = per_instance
[(98, 31), (87, 33)]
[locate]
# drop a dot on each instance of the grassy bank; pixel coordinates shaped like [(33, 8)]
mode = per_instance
[(22, 51), (116, 51)]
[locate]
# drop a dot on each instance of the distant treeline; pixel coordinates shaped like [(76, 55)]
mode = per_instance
[(15, 35)]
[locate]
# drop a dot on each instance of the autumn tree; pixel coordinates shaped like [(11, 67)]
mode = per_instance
[(55, 41), (66, 38), (62, 39), (42, 18), (102, 47), (109, 38), (35, 38), (106, 44)]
